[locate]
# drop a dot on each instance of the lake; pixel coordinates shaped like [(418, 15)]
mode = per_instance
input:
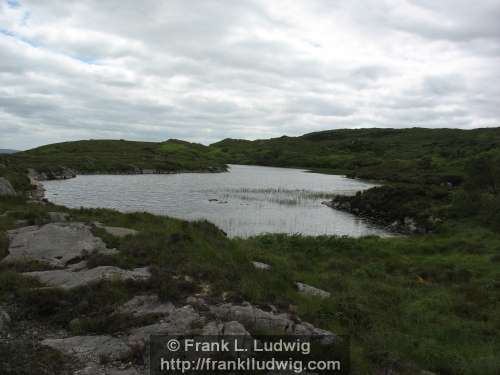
[(246, 201)]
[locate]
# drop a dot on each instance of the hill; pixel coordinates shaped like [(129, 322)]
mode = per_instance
[(117, 156), (7, 151), (398, 155)]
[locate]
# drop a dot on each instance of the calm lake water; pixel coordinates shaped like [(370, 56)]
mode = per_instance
[(246, 201)]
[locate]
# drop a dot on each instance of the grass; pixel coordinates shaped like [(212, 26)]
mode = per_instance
[(428, 302), (112, 156), (421, 302)]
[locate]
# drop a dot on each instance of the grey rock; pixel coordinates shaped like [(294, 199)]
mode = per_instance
[(145, 305), (4, 320), (54, 243), (410, 224), (116, 231), (312, 291), (127, 371), (68, 279), (255, 319), (6, 187), (91, 348), (120, 232), (91, 369), (58, 217), (228, 328), (261, 266), (179, 321)]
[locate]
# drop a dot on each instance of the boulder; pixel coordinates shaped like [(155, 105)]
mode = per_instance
[(68, 279), (311, 290), (91, 348), (5, 187), (145, 305), (55, 244), (261, 266)]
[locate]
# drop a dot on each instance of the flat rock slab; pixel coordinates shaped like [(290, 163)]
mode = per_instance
[(146, 305), (116, 231), (312, 291), (68, 279), (120, 232), (91, 348), (178, 322), (54, 243)]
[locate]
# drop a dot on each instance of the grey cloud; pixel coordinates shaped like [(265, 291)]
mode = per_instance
[(204, 70)]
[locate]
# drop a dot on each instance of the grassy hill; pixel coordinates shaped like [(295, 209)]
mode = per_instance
[(117, 156), (398, 155)]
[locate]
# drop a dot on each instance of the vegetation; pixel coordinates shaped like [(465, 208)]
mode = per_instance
[(116, 156), (410, 303)]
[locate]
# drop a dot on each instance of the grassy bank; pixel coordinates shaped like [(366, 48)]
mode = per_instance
[(421, 302)]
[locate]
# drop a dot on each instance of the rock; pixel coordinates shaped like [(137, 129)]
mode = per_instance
[(117, 371), (410, 224), (262, 266), (77, 266), (55, 243), (312, 291), (91, 348), (120, 232), (145, 305), (58, 217), (229, 328), (255, 319), (116, 231), (4, 320), (5, 187), (91, 369), (178, 322), (68, 279)]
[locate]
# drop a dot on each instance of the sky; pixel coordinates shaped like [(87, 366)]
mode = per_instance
[(205, 70)]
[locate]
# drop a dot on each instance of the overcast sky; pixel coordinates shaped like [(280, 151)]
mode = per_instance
[(204, 70)]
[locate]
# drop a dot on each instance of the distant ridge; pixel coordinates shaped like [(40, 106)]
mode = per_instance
[(7, 151)]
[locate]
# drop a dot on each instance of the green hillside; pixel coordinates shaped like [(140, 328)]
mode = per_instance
[(118, 156), (402, 155)]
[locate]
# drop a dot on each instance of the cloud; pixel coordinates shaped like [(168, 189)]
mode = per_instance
[(204, 70)]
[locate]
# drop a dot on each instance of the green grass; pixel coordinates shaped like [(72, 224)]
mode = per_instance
[(421, 302), (115, 156), (428, 302)]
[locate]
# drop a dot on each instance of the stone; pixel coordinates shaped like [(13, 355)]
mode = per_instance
[(58, 217), (178, 322), (4, 320), (254, 319), (55, 244), (91, 348), (6, 187), (68, 279), (145, 305), (261, 266), (312, 291), (120, 232), (228, 328), (116, 231)]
